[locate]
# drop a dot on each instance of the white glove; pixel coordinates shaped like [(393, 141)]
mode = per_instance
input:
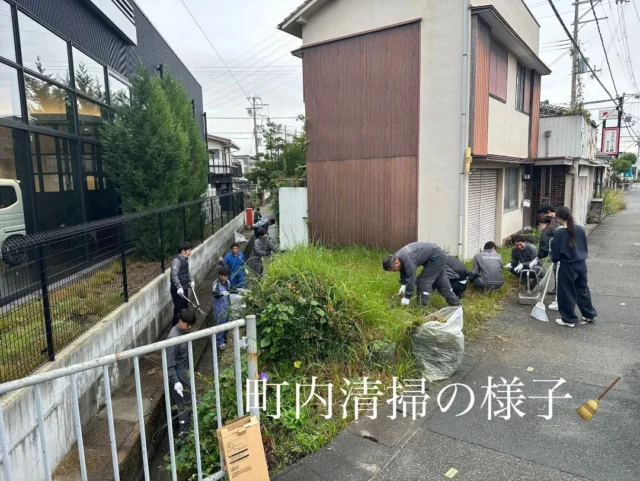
[(402, 290), (518, 268), (193, 284), (177, 387), (508, 266), (181, 292), (225, 293), (534, 262), (405, 301)]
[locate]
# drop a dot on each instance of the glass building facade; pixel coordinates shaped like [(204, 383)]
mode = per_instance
[(54, 100)]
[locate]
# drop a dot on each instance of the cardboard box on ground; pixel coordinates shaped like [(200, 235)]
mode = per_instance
[(242, 450)]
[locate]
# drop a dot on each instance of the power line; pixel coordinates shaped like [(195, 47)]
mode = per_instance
[(577, 47), (595, 15), (214, 49)]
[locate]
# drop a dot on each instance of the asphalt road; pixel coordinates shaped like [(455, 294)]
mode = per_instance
[(471, 447)]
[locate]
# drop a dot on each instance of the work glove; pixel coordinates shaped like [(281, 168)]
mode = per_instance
[(225, 293), (518, 268), (193, 284), (181, 292), (405, 301), (402, 290), (508, 266), (177, 387), (534, 262)]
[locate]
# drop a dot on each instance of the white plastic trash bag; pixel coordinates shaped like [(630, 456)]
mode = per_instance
[(240, 239), (439, 346)]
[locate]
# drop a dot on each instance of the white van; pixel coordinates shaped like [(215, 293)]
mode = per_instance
[(12, 224)]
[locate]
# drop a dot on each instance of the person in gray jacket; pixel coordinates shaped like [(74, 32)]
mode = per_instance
[(486, 272), (178, 370), (263, 247), (181, 280), (433, 260), (524, 256)]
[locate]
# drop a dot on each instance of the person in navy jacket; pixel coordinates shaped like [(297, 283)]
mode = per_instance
[(571, 251)]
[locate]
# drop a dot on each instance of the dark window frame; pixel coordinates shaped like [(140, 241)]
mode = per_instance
[(521, 85), (511, 182), (498, 51)]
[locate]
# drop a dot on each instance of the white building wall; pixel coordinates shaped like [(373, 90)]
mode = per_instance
[(508, 128), (518, 17), (338, 18)]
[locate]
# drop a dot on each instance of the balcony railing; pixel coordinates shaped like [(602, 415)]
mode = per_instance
[(225, 170)]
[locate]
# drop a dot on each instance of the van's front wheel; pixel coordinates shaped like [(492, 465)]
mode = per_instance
[(12, 251)]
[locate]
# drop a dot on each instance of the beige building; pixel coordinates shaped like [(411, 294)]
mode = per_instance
[(393, 98)]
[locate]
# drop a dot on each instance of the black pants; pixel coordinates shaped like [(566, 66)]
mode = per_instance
[(179, 303), (434, 275), (573, 289), (181, 411), (458, 287)]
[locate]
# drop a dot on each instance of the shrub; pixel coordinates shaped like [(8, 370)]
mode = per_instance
[(613, 202)]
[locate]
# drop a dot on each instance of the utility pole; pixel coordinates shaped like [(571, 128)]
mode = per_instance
[(254, 111), (620, 113), (575, 55)]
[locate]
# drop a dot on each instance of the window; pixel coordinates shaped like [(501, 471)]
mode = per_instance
[(7, 47), (91, 117), (42, 50), (511, 187), (498, 63), (9, 94), (7, 154), (8, 196), (118, 90), (52, 164), (48, 106), (89, 76), (521, 81), (95, 178)]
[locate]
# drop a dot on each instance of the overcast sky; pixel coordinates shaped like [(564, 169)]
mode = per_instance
[(245, 35)]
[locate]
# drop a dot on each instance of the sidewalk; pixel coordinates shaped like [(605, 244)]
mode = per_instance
[(529, 448)]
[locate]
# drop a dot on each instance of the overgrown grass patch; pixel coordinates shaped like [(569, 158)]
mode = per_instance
[(328, 313), (613, 202)]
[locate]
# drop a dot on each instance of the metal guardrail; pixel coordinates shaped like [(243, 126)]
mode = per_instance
[(56, 285), (250, 343)]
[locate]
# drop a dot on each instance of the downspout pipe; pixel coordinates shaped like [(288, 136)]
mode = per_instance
[(464, 117)]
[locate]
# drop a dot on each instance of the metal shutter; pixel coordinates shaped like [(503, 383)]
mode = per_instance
[(582, 200), (482, 209)]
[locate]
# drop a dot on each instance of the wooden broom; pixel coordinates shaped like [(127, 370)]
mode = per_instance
[(588, 409)]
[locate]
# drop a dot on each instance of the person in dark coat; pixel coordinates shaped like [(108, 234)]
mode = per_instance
[(458, 275), (236, 262), (221, 304), (178, 370), (181, 280), (486, 271), (524, 256), (257, 215), (571, 251), (432, 259)]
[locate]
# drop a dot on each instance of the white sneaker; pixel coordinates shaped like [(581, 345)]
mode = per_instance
[(554, 306), (562, 323)]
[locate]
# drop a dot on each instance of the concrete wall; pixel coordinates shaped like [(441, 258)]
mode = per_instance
[(508, 128), (440, 118), (141, 321), (518, 17)]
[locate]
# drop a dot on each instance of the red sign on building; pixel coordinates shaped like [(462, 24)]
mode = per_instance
[(610, 140)]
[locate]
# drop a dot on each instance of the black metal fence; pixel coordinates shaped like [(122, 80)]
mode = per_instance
[(56, 285)]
